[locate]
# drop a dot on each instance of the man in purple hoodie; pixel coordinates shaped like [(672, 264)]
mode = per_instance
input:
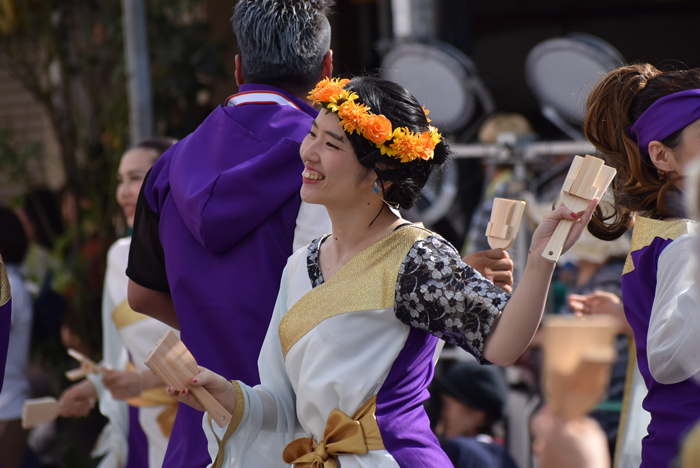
[(220, 212)]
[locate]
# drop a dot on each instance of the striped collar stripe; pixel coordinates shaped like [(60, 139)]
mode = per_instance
[(260, 97)]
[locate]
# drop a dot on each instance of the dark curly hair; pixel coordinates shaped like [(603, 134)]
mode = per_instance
[(402, 109), (614, 106)]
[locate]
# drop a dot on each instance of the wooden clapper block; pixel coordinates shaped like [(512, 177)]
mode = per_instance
[(588, 178), (172, 361), (87, 366), (578, 353), (39, 411), (505, 222)]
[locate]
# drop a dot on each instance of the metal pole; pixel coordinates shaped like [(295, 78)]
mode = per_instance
[(138, 71)]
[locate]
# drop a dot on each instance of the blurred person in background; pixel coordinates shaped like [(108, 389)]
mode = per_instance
[(16, 387), (473, 406), (140, 412), (646, 123), (577, 443)]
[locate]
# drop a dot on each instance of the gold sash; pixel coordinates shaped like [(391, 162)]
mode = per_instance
[(5, 292), (367, 282), (156, 397), (342, 436)]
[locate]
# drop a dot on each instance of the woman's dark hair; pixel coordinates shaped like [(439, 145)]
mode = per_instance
[(158, 144), (44, 212), (398, 105), (13, 240), (614, 106)]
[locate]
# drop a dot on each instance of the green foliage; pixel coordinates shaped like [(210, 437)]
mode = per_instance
[(70, 55)]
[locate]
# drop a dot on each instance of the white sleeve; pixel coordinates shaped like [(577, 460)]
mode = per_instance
[(312, 222), (265, 420), (673, 348), (113, 441)]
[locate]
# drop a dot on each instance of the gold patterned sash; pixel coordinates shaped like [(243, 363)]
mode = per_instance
[(5, 292), (156, 397), (342, 436), (367, 282)]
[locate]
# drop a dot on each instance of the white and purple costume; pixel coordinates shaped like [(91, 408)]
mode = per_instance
[(358, 347)]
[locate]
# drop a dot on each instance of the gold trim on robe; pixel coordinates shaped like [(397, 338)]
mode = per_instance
[(236, 418), (367, 282), (646, 230), (5, 291), (124, 315)]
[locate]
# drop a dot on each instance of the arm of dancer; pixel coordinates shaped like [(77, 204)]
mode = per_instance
[(516, 326), (148, 289), (261, 415), (672, 344)]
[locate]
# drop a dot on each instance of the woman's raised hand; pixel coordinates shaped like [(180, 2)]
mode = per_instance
[(549, 223), (220, 388), (78, 400)]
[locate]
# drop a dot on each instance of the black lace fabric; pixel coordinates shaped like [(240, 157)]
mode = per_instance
[(439, 293), (313, 262)]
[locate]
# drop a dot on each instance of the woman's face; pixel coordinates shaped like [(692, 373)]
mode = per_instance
[(132, 168), (689, 149), (332, 175)]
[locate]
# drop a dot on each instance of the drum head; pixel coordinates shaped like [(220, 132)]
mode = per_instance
[(439, 76), (562, 71)]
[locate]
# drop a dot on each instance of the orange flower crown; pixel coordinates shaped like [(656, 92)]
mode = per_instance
[(399, 143)]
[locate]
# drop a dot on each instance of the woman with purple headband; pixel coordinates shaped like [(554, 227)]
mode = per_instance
[(646, 123)]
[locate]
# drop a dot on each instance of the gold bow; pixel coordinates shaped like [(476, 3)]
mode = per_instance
[(342, 435)]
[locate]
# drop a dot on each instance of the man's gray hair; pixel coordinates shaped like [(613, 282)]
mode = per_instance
[(282, 42)]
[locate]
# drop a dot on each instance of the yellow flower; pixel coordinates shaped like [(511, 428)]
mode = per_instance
[(377, 129), (337, 101), (353, 116), (434, 135)]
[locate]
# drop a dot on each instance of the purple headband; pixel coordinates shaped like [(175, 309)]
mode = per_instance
[(665, 117)]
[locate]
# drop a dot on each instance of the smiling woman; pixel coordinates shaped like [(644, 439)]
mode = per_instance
[(348, 356)]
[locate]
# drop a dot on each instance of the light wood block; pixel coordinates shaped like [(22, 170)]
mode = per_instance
[(587, 179), (578, 355), (172, 361), (39, 411), (87, 366), (505, 222)]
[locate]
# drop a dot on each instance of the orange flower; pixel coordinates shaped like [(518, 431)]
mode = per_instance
[(426, 111), (327, 89), (377, 129), (353, 116), (409, 146)]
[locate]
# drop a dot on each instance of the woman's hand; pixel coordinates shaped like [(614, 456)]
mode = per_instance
[(601, 302), (495, 265), (549, 223), (220, 388), (122, 384), (78, 400)]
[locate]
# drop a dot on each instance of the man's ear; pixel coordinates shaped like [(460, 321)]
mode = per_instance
[(661, 156), (327, 70), (239, 71)]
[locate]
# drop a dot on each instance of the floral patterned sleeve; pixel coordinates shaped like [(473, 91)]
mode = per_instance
[(437, 292)]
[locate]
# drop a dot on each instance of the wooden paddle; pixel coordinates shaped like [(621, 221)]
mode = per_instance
[(505, 221), (587, 179), (172, 361)]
